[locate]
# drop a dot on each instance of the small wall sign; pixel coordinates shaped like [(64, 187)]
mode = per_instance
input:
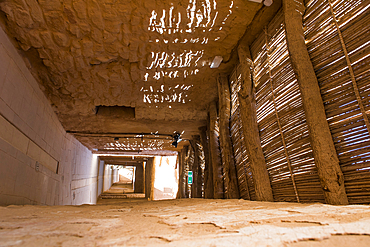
[(190, 177)]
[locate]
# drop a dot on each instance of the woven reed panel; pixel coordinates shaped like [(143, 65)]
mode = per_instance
[(281, 119), (190, 158), (202, 164), (217, 133), (245, 177), (346, 120)]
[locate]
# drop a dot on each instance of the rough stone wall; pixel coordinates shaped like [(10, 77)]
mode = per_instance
[(88, 53), (33, 142)]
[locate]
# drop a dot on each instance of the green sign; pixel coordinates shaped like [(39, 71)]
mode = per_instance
[(190, 177)]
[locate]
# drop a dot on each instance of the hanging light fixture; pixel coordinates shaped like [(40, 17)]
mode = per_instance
[(176, 139)]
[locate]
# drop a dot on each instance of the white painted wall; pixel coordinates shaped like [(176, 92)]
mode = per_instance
[(115, 175), (100, 177), (108, 181), (30, 132)]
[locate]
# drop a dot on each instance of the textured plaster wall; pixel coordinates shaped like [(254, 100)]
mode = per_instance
[(34, 145), (89, 53)]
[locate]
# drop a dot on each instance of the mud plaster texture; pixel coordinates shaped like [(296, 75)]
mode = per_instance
[(186, 222), (87, 53)]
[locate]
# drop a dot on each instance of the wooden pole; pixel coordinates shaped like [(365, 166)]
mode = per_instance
[(196, 188), (218, 186), (139, 178), (252, 140), (200, 155), (225, 140), (193, 169), (183, 184), (149, 179), (200, 174), (208, 181), (326, 160), (180, 182), (188, 167)]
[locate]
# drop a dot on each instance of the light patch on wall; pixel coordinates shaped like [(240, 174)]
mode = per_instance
[(185, 59), (174, 22), (166, 94), (198, 15), (138, 144), (172, 74), (173, 65), (201, 15)]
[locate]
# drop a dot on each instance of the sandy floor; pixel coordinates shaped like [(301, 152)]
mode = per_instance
[(120, 191), (120, 188), (186, 222)]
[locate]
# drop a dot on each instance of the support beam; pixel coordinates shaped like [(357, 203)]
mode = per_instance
[(260, 20), (225, 140), (218, 187), (187, 168), (196, 188), (139, 186), (252, 140), (149, 179), (182, 180), (208, 181), (326, 160), (192, 164), (180, 185)]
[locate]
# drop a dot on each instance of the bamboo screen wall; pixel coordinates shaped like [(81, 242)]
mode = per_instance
[(217, 132), (244, 174), (281, 119), (338, 41), (189, 162), (202, 165)]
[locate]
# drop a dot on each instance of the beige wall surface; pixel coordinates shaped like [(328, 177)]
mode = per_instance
[(39, 162)]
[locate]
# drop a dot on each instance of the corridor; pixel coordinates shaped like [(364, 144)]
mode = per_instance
[(120, 191), (185, 123), (186, 222)]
